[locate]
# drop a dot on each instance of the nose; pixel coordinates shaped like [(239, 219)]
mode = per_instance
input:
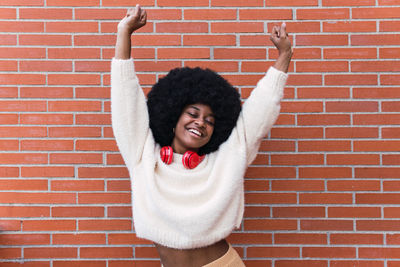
[(200, 122)]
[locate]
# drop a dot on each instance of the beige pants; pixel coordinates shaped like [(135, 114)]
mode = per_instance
[(230, 259)]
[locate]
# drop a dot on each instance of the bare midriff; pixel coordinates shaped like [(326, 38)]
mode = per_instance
[(171, 257)]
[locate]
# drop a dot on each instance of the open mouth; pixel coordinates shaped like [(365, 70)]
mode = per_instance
[(195, 132)]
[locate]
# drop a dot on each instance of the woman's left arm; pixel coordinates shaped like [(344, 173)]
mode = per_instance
[(261, 109)]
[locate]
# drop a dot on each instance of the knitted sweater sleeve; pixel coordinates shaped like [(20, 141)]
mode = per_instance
[(261, 109), (130, 120)]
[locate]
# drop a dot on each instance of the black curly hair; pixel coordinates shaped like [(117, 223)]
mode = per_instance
[(185, 86)]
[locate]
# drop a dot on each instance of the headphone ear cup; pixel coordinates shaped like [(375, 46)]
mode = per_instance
[(166, 154), (191, 159)]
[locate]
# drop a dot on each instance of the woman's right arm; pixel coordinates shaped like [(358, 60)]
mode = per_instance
[(128, 104)]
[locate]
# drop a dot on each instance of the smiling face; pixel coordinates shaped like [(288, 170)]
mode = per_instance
[(194, 128)]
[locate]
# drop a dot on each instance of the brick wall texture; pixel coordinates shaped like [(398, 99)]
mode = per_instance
[(324, 189)]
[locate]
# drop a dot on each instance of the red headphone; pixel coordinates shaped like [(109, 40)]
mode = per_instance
[(190, 159)]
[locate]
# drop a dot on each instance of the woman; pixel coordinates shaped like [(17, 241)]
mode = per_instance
[(188, 148)]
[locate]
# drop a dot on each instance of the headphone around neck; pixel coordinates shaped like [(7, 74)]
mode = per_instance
[(190, 159)]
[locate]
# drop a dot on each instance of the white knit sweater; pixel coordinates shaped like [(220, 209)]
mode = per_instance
[(174, 206)]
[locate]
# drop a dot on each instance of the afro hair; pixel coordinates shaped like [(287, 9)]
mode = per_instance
[(185, 86)]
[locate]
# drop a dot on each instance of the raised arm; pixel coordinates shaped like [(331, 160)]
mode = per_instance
[(261, 109), (128, 104), (134, 19)]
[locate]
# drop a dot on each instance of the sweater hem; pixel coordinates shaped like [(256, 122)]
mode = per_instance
[(176, 241)]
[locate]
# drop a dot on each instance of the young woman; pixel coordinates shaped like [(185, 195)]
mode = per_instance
[(187, 149)]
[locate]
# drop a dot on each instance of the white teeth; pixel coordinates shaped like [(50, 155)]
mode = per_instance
[(195, 132)]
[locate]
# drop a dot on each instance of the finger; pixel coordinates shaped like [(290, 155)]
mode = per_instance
[(137, 11), (144, 16), (283, 30)]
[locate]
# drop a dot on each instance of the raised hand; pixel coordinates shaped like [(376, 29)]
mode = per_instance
[(134, 19), (280, 38)]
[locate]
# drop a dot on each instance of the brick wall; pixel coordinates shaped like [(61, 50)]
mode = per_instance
[(324, 189)]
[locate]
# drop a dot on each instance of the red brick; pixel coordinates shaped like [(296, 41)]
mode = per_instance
[(301, 263), (239, 53), (325, 198), (290, 3), (329, 252), (352, 106), (74, 132), (354, 238), (323, 119), (323, 13), (8, 39), (73, 79), (354, 212), (327, 145), (257, 212), (330, 66), (10, 253), (266, 14), (231, 3), (273, 252), (372, 172), (45, 13), (79, 239), (25, 239), (183, 53), (119, 212), (378, 225), (379, 252), (297, 185), (357, 263), (106, 252), (29, 211), (8, 13), (83, 263), (302, 238), (298, 212), (256, 185), (377, 198), (105, 225), (352, 132), (376, 13), (79, 185), (331, 92), (93, 119), (75, 212), (270, 172), (37, 198), (269, 225), (72, 27), (348, 3), (391, 52), (353, 159), (73, 53), (237, 27), (209, 40), (392, 239), (50, 252), (21, 26), (31, 184), (73, 3), (391, 185), (294, 133), (374, 39), (47, 171), (49, 225), (46, 92), (350, 53), (391, 159), (353, 185), (300, 159), (351, 79), (109, 198), (375, 146), (349, 26)]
